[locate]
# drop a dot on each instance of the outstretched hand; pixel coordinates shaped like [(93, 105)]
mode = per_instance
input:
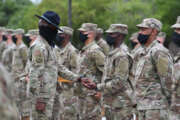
[(88, 83)]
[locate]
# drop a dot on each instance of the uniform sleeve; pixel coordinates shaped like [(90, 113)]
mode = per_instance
[(24, 56), (175, 87), (7, 59), (38, 61), (74, 57), (67, 74), (105, 47), (120, 76), (2, 48), (164, 67), (64, 72), (4, 58), (99, 59)]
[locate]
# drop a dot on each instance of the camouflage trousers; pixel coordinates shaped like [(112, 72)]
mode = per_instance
[(22, 101), (69, 105), (43, 115), (89, 109), (119, 113), (56, 107), (159, 114), (66, 105), (9, 113)]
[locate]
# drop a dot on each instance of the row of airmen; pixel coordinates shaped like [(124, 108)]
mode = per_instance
[(52, 80)]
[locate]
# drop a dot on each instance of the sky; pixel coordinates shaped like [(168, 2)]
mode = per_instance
[(36, 1)]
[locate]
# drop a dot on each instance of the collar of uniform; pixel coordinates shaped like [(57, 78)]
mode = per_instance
[(101, 40), (62, 50), (12, 46), (120, 48), (21, 45), (43, 40), (150, 46), (135, 49), (88, 46), (40, 39)]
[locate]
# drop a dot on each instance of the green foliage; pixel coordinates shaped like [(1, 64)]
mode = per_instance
[(101, 12), (7, 9), (168, 10), (11, 8)]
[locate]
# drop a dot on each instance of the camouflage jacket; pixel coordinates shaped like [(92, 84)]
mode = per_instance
[(44, 68), (135, 56), (135, 51), (68, 56), (174, 49), (104, 46), (175, 106), (7, 57), (117, 88), (7, 104), (92, 62), (19, 59), (153, 77), (3, 46)]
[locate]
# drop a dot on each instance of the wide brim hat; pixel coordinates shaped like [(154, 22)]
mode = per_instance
[(51, 18), (177, 24)]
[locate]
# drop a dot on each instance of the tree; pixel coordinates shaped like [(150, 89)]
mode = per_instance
[(9, 7), (168, 11), (101, 12)]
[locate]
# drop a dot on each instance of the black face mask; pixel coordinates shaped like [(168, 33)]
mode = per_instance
[(48, 34), (176, 38), (59, 40), (83, 37), (14, 39), (4, 38), (143, 38), (27, 40), (133, 44), (110, 40)]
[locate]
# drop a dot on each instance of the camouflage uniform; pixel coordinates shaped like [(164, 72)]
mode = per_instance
[(153, 78), (92, 66), (175, 108), (25, 83), (66, 103), (3, 44), (7, 105), (102, 43), (8, 52), (7, 57), (117, 88), (43, 77), (135, 56), (19, 60)]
